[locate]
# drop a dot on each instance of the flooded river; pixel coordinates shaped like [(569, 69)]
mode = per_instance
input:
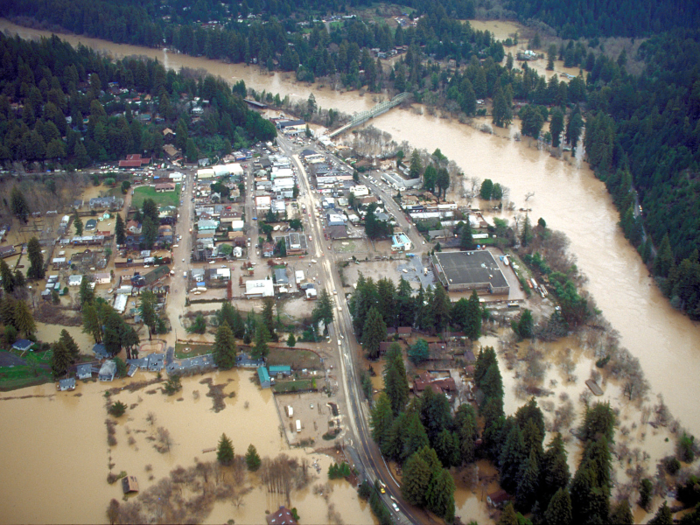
[(568, 197)]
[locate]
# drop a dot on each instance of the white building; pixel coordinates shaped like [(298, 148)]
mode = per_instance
[(120, 303), (176, 176), (263, 203), (103, 278), (206, 173), (237, 225), (75, 280), (360, 191), (258, 289)]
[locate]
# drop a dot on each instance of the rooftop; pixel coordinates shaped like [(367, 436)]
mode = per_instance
[(470, 267)]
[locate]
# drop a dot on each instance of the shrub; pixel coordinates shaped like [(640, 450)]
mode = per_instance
[(117, 409)]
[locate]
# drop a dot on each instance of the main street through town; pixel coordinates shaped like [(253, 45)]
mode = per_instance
[(358, 439)]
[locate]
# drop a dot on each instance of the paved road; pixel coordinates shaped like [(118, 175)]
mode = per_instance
[(371, 462)]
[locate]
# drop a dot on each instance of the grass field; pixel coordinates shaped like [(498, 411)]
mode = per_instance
[(294, 386), (181, 351), (168, 198), (33, 373), (297, 359)]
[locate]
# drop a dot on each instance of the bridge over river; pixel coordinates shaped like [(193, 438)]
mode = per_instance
[(364, 116)]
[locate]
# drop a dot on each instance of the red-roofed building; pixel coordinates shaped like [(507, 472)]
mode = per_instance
[(282, 517), (404, 331), (134, 161), (439, 385)]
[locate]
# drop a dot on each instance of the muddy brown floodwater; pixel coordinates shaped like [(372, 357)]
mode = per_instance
[(566, 195), (54, 463)]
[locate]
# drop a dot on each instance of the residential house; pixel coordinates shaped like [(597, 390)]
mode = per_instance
[(280, 370), (66, 384), (282, 517), (281, 278), (133, 227), (100, 351), (103, 278), (107, 371), (22, 345), (439, 385), (7, 251), (84, 371), (268, 249), (75, 280)]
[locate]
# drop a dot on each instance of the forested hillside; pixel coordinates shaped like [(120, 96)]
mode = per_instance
[(73, 107), (630, 18)]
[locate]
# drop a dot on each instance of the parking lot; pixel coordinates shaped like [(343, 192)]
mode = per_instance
[(313, 412)]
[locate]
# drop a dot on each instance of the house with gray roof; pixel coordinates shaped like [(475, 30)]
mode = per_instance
[(66, 384), (84, 371), (108, 371), (100, 351)]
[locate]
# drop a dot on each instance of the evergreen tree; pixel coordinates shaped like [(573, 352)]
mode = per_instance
[(395, 381), (440, 496), (387, 302), (525, 326), (554, 469), (645, 493), (86, 293), (508, 516), (527, 485), (252, 458), (19, 204), (77, 224), (291, 341), (502, 114), (663, 262), (416, 480), (559, 509), (411, 435), (466, 241), (8, 280), (224, 351), (405, 304), (120, 230), (20, 281), (382, 419), (268, 316), (621, 514), (36, 260), (416, 167), (261, 349), (663, 516), (440, 308), (486, 189), (373, 333), (447, 448), (435, 414), (147, 307), (224, 452), (556, 126), (70, 344), (61, 359), (91, 323), (323, 311), (467, 432), (24, 321), (512, 456)]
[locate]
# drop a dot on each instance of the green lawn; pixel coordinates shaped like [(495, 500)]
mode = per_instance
[(194, 350), (168, 198), (294, 386)]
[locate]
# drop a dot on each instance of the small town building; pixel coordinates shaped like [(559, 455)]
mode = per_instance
[(84, 371), (264, 377), (22, 345), (130, 484), (282, 517), (259, 289), (100, 351), (280, 370), (66, 384), (107, 371)]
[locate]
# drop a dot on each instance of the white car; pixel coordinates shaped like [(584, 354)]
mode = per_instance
[(183, 260), (396, 507)]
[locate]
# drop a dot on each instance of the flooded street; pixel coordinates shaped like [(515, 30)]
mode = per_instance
[(61, 438)]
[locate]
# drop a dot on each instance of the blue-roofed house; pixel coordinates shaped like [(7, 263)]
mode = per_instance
[(280, 370), (100, 351), (264, 377), (66, 384), (84, 371), (22, 345)]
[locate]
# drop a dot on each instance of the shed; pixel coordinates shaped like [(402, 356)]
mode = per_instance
[(84, 371), (280, 370), (22, 345), (66, 384), (264, 377), (130, 484)]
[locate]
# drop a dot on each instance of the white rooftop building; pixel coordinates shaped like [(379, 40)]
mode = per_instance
[(261, 288)]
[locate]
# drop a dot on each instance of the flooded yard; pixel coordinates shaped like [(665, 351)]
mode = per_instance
[(59, 436)]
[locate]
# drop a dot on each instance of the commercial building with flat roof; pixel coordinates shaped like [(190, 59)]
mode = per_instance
[(470, 270)]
